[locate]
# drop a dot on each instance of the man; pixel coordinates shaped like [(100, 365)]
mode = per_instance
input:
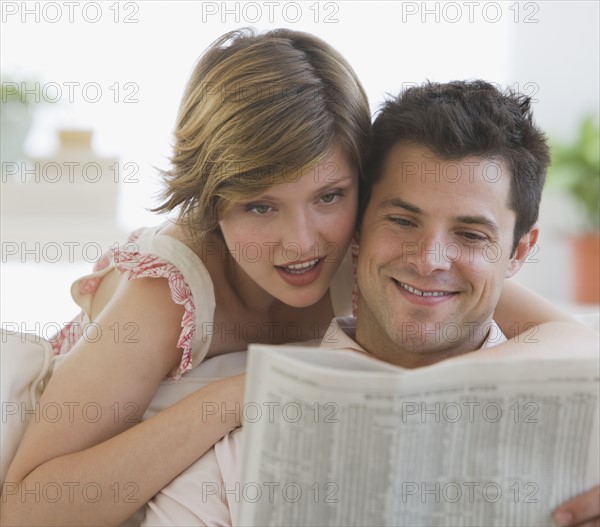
[(457, 175), (451, 214)]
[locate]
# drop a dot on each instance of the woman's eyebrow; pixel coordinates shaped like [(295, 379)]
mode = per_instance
[(330, 182), (334, 180)]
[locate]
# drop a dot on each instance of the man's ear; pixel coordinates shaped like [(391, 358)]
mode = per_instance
[(524, 247)]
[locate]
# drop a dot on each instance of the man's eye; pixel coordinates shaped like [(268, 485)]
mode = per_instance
[(473, 237), (260, 209), (403, 222)]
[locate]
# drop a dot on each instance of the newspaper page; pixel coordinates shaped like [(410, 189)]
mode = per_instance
[(338, 438)]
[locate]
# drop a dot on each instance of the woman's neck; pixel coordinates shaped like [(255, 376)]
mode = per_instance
[(250, 294), (229, 279)]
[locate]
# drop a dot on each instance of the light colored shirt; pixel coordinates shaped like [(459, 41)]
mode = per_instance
[(341, 334), (209, 492)]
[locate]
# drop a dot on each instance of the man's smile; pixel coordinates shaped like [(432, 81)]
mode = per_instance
[(420, 292)]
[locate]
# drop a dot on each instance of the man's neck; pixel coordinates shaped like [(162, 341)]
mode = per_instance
[(372, 337)]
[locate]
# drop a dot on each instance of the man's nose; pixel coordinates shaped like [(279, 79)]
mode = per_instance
[(431, 252)]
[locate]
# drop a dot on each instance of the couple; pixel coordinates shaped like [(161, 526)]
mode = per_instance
[(269, 164)]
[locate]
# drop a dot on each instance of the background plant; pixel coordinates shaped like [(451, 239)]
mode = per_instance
[(576, 169)]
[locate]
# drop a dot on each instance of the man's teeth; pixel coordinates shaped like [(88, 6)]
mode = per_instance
[(422, 293), (301, 267)]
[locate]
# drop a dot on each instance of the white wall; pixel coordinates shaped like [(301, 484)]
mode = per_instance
[(558, 57), (153, 45)]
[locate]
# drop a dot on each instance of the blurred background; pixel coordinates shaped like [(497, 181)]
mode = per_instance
[(90, 92)]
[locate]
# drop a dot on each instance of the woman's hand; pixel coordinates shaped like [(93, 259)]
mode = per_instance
[(582, 511)]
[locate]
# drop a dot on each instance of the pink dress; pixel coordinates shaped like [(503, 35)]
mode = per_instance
[(149, 253)]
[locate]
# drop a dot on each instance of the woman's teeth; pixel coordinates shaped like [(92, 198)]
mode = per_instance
[(301, 267)]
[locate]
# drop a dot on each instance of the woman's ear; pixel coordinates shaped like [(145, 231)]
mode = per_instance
[(525, 246)]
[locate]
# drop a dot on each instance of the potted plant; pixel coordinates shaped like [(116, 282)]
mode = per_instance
[(16, 118), (576, 169)]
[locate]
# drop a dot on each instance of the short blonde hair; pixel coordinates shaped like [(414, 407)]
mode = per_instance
[(257, 110)]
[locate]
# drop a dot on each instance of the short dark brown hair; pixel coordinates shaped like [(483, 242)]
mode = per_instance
[(468, 118)]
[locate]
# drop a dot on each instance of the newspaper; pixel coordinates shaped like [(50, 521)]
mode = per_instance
[(336, 437)]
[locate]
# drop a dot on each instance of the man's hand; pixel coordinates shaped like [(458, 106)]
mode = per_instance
[(582, 511)]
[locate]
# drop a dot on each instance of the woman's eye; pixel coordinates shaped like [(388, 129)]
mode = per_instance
[(260, 209), (330, 198)]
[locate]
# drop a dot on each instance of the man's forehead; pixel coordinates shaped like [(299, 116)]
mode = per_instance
[(416, 167), (406, 160), (474, 186)]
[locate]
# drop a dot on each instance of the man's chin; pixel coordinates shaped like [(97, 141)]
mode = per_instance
[(429, 336), (429, 326), (418, 352)]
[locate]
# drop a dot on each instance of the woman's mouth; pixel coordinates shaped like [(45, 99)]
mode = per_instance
[(300, 268), (301, 273)]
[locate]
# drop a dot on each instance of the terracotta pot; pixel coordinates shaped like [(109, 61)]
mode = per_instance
[(586, 268)]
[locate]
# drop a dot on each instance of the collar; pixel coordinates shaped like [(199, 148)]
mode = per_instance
[(341, 334)]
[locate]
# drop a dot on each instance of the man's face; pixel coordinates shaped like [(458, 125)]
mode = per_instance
[(435, 248)]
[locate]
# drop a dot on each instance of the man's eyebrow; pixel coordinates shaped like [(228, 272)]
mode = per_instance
[(468, 219), (400, 204), (480, 220)]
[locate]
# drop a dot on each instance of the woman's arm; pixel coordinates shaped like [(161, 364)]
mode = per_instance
[(531, 323), (519, 309), (93, 464)]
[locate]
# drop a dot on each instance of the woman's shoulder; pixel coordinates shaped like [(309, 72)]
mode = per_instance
[(162, 251), (152, 252)]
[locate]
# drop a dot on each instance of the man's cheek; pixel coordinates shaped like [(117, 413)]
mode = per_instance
[(480, 261)]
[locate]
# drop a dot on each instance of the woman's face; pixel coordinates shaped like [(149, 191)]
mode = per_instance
[(291, 240)]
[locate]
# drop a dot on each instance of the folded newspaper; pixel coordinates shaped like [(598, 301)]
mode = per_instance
[(335, 437)]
